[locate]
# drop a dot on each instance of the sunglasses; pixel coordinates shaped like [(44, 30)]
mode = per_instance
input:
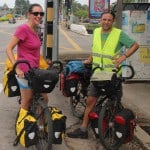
[(38, 13)]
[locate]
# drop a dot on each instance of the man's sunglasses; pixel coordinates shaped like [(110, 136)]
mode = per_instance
[(38, 13)]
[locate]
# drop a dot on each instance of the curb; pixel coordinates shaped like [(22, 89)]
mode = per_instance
[(143, 137)]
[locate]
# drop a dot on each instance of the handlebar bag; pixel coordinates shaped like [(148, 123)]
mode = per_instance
[(43, 81)]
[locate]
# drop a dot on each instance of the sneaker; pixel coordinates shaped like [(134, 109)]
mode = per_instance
[(78, 134)]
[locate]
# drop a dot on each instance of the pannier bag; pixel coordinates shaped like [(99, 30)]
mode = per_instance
[(68, 84), (42, 64), (43, 81), (125, 124), (93, 116), (69, 78), (10, 84), (59, 125), (26, 129)]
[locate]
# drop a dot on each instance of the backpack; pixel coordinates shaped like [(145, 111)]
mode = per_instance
[(59, 125), (125, 124), (26, 129)]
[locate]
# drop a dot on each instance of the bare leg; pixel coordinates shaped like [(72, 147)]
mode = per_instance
[(90, 103), (26, 97)]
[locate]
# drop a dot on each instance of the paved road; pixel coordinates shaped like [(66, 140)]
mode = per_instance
[(136, 96)]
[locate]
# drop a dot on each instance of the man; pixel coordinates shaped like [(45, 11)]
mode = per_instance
[(106, 53)]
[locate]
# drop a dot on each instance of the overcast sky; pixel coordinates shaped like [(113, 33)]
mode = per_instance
[(11, 3)]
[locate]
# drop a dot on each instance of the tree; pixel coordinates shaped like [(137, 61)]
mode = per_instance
[(81, 14), (79, 10), (21, 7)]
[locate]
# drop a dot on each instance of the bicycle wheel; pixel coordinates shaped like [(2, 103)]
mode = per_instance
[(106, 125), (77, 102), (45, 125)]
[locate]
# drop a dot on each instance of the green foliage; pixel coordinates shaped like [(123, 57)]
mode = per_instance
[(81, 13), (79, 10), (92, 26), (3, 19), (21, 7)]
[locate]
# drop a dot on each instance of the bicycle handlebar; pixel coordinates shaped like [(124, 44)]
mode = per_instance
[(131, 69), (56, 65), (20, 62)]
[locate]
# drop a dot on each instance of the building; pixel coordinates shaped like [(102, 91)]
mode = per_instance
[(4, 10)]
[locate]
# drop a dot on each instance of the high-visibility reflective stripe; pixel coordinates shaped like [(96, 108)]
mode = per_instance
[(105, 66), (102, 55), (106, 56)]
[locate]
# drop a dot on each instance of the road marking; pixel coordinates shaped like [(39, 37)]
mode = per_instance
[(1, 87), (2, 63), (75, 45), (66, 48), (5, 32)]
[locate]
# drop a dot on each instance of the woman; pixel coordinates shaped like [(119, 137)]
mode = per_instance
[(28, 48)]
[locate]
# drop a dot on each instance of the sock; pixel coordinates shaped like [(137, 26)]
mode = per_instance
[(84, 129)]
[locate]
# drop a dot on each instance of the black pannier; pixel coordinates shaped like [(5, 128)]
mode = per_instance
[(125, 123), (43, 81)]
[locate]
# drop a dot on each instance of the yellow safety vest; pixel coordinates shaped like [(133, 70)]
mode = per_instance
[(103, 56)]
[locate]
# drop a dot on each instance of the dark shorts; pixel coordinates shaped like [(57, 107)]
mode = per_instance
[(96, 91), (93, 91)]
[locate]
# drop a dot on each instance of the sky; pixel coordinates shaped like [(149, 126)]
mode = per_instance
[(11, 3)]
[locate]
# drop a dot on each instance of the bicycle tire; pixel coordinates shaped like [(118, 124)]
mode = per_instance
[(106, 127), (77, 102), (77, 107), (45, 134)]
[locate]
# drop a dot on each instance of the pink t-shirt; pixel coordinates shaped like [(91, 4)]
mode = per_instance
[(28, 47)]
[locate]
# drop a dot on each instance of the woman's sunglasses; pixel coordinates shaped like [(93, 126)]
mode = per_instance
[(38, 13)]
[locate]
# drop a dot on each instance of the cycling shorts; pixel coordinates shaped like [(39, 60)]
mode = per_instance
[(23, 83)]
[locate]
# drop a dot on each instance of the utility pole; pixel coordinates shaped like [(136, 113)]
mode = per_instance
[(49, 28), (119, 13), (51, 33), (56, 30)]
